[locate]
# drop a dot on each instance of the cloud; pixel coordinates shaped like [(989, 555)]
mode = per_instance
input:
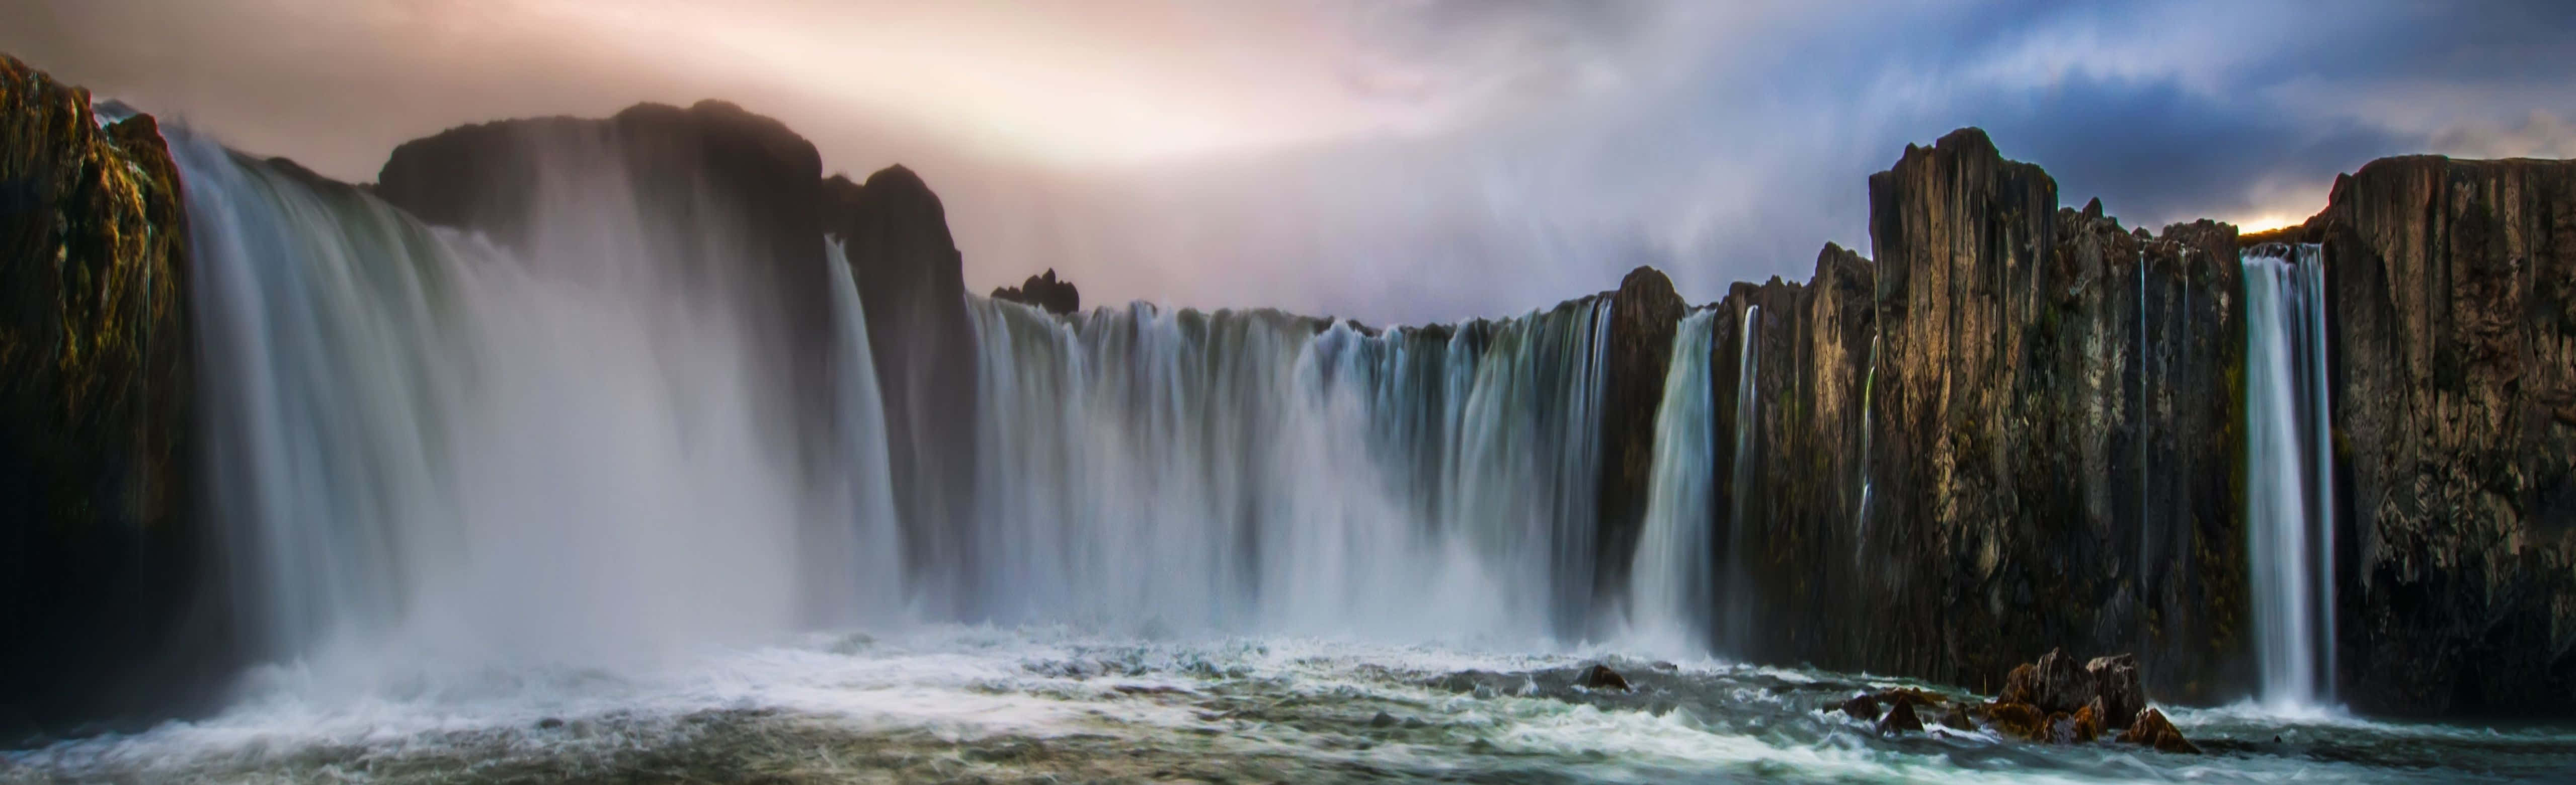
[(1392, 161)]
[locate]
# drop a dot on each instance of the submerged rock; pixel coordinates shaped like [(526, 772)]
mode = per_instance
[(1862, 707), (1900, 717), (1601, 677)]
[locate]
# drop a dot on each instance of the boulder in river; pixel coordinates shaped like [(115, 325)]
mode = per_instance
[(1601, 677), (2151, 729)]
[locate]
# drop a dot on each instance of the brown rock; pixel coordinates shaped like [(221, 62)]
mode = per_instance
[(2018, 720), (2117, 696), (2087, 724), (2151, 729)]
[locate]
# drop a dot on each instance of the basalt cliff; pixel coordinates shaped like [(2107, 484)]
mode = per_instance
[(2013, 426)]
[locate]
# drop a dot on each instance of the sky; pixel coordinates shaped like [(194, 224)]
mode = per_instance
[(1395, 162)]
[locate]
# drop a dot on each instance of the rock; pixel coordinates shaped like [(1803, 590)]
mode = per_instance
[(1900, 718), (1994, 377), (1382, 720), (2117, 695), (1862, 707), (2053, 685), (1044, 291), (102, 553), (2151, 729), (1601, 677), (2452, 289), (2017, 720), (912, 284), (550, 723), (2087, 723), (1643, 314), (1956, 718)]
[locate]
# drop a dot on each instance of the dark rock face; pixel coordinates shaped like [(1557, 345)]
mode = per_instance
[(2452, 347), (1644, 313), (1044, 291), (2048, 428), (98, 540), (913, 285)]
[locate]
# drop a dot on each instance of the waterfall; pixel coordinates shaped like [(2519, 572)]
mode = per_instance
[(1251, 470), (1671, 578), (2289, 462), (423, 447), (1860, 510), (1739, 582), (875, 557)]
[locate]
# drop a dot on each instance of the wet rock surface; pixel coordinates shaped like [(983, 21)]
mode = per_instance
[(100, 546), (2452, 330)]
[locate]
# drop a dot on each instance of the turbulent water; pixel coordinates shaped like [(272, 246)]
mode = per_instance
[(541, 514), (1049, 703), (2289, 494)]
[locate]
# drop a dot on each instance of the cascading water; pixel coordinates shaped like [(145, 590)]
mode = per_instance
[(2289, 492), (1671, 584), (1254, 470), (426, 448), (1860, 510), (1738, 602)]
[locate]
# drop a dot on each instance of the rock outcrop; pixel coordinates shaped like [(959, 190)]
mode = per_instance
[(2041, 406), (1044, 291), (2452, 346), (912, 282), (1644, 314), (99, 542)]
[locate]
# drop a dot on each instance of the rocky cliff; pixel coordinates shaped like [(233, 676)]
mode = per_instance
[(2042, 409), (98, 543), (2452, 342), (2021, 427)]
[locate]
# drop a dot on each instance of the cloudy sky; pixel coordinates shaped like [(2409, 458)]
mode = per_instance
[(1394, 161)]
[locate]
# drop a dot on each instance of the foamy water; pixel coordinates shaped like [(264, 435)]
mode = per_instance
[(958, 702)]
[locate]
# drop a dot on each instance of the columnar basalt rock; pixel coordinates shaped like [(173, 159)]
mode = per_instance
[(1644, 313), (2452, 343), (2031, 365), (98, 544)]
